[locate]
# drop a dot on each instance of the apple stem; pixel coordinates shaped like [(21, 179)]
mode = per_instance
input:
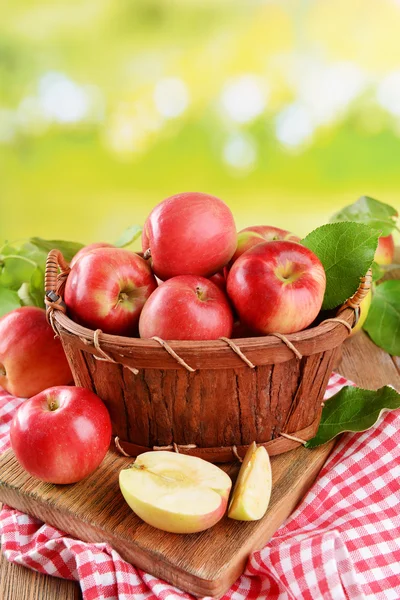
[(200, 293), (52, 404), (3, 372), (147, 254)]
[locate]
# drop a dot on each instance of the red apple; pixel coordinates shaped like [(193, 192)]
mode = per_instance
[(186, 308), (384, 253), (87, 249), (277, 287), (31, 359), (189, 234), (219, 280), (107, 288), (257, 234), (62, 434)]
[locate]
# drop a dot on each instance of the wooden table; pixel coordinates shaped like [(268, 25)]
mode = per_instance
[(363, 362)]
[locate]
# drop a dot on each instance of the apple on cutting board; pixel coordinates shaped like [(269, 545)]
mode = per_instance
[(175, 492), (252, 492)]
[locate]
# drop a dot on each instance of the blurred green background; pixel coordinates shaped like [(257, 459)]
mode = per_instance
[(286, 110)]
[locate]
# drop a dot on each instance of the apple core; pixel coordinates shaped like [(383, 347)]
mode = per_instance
[(52, 404)]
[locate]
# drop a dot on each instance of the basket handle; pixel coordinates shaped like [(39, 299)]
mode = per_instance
[(54, 282), (356, 299), (363, 289)]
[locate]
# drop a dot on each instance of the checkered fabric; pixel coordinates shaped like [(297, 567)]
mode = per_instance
[(342, 542)]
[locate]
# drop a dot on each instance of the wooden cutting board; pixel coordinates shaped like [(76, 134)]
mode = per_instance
[(203, 564)]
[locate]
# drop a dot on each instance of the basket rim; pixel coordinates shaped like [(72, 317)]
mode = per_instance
[(317, 333), (254, 351)]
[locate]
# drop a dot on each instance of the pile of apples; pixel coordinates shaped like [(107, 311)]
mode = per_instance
[(197, 278)]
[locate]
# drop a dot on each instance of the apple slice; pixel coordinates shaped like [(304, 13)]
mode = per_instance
[(252, 491), (175, 492)]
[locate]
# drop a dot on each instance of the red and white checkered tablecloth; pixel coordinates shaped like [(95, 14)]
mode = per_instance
[(342, 542)]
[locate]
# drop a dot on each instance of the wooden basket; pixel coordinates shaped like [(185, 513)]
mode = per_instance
[(209, 399)]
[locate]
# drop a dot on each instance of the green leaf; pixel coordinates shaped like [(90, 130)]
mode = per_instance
[(32, 293), (24, 295), (8, 300), (15, 271), (346, 251), (371, 212), (377, 271), (68, 249), (7, 249), (36, 287), (34, 253), (383, 320), (129, 236), (353, 409)]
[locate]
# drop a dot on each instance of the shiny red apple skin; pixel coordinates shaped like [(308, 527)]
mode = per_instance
[(187, 307), (65, 443), (277, 287), (107, 288), (258, 234), (31, 360), (219, 280), (189, 234), (384, 253), (87, 249)]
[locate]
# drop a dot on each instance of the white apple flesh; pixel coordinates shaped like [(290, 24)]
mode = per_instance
[(252, 492), (175, 492)]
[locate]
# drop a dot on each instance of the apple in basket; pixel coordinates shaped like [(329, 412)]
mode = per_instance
[(277, 287), (187, 308), (31, 359), (107, 288), (220, 279), (87, 249), (384, 253), (189, 234), (174, 492), (257, 234), (62, 434)]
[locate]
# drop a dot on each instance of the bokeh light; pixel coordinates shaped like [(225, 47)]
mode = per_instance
[(240, 152), (244, 98), (294, 125), (287, 110), (171, 97)]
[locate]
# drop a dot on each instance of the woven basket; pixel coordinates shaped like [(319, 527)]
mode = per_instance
[(209, 399)]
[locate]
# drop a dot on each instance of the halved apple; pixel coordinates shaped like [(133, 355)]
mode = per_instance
[(176, 492), (252, 491)]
